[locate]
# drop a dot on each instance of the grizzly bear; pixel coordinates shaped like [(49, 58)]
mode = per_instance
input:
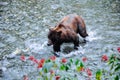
[(66, 31)]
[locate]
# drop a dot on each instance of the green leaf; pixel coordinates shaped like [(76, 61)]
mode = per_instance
[(117, 68), (111, 61), (112, 65), (113, 56), (71, 60), (118, 59), (98, 74), (76, 62), (116, 78), (45, 77), (46, 68), (40, 73), (51, 76), (78, 68), (81, 64), (55, 65), (62, 67), (67, 68), (47, 61), (38, 79)]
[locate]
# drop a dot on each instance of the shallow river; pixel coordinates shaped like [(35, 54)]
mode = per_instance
[(24, 25)]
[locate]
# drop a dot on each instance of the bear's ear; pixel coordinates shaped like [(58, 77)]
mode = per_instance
[(61, 25)]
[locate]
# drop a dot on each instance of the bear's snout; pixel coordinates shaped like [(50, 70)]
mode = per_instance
[(84, 35)]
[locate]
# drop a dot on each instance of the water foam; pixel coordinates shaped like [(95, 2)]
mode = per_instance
[(35, 47), (92, 36)]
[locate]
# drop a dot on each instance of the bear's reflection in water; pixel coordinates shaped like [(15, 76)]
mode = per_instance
[(66, 48)]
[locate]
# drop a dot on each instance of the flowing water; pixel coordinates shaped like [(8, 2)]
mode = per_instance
[(24, 25)]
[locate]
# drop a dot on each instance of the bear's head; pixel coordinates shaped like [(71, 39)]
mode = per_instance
[(53, 37), (83, 33)]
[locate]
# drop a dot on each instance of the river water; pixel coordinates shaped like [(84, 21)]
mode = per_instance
[(24, 25)]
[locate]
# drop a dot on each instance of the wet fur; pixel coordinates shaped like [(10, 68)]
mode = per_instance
[(66, 31)]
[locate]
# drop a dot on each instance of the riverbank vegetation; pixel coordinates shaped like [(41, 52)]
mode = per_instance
[(55, 68)]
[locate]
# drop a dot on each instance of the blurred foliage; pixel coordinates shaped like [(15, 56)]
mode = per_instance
[(98, 74), (114, 63)]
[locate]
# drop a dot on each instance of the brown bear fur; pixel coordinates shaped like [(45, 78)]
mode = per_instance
[(66, 31)]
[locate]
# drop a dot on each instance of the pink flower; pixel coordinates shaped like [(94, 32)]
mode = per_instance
[(89, 73), (40, 65), (84, 59), (104, 57), (64, 60), (31, 58), (35, 61), (118, 49), (22, 57), (57, 77), (42, 60), (53, 58)]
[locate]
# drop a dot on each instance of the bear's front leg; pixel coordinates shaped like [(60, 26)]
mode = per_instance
[(76, 43), (56, 48)]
